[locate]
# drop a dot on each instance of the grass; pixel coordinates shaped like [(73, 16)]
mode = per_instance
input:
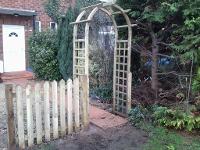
[(163, 139)]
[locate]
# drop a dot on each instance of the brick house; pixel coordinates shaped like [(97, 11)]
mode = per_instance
[(18, 20)]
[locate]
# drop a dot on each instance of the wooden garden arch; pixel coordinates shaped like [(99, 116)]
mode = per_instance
[(122, 77)]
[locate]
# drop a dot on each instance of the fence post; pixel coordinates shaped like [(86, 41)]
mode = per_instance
[(10, 117), (129, 92), (84, 84), (76, 104)]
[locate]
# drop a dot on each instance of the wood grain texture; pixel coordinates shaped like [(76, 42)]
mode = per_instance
[(20, 117), (46, 111), (62, 108), (29, 109), (76, 104), (69, 107), (55, 109), (10, 116), (38, 113)]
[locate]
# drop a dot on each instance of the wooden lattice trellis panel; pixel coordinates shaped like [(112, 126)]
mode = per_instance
[(122, 72), (79, 57)]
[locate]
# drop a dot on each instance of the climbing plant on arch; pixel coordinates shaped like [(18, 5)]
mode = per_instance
[(122, 77)]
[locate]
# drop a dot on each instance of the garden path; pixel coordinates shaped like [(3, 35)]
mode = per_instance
[(104, 119)]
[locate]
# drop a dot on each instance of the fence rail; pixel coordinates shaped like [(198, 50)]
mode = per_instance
[(45, 111)]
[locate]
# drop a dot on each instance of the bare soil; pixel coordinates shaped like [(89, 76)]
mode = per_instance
[(94, 138)]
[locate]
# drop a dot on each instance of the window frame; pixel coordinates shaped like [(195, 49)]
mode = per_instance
[(40, 26), (56, 25)]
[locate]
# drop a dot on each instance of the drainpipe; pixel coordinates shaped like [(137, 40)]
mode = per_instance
[(33, 23)]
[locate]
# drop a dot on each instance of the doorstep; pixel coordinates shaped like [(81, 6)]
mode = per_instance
[(21, 75)]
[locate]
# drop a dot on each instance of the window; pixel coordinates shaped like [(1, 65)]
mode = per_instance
[(38, 26), (13, 34), (53, 25)]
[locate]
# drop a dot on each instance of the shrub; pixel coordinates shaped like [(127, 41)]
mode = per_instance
[(176, 119), (43, 55), (138, 115), (65, 44)]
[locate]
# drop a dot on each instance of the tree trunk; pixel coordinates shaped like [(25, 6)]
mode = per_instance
[(154, 68)]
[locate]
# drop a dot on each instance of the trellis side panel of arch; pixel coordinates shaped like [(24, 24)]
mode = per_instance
[(122, 77)]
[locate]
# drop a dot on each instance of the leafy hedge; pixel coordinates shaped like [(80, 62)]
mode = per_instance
[(43, 55)]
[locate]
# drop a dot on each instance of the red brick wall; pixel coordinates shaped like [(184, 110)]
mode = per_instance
[(38, 6)]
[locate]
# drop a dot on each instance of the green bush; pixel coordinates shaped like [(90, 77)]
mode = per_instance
[(176, 119), (65, 44), (139, 115), (43, 55)]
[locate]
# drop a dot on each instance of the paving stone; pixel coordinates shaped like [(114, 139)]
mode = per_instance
[(104, 119)]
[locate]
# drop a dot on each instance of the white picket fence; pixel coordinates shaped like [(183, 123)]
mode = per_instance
[(46, 111)]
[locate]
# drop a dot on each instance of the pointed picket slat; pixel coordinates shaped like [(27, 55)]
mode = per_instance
[(69, 107), (76, 104), (55, 109), (38, 113), (20, 116), (29, 115), (46, 111), (62, 108)]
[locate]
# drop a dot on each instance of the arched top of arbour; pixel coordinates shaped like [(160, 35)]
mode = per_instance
[(105, 7)]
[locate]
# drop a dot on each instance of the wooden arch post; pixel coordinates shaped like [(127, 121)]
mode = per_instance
[(122, 77)]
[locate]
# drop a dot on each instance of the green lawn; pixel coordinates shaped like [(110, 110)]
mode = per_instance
[(163, 139)]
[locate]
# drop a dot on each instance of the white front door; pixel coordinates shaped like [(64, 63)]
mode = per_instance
[(13, 48)]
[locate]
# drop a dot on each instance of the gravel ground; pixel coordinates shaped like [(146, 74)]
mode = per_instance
[(3, 117)]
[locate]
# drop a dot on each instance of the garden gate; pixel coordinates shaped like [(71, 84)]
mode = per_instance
[(122, 77)]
